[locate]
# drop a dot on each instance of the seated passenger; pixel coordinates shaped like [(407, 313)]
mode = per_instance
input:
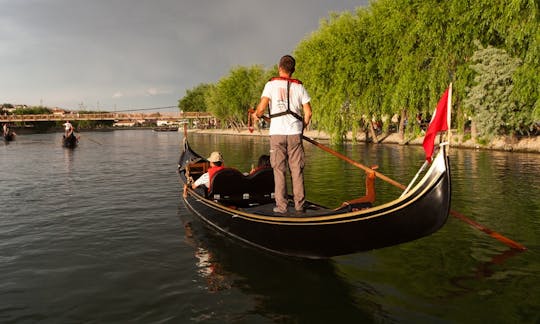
[(216, 164), (263, 163)]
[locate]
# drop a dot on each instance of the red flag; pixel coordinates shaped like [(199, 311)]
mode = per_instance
[(439, 122)]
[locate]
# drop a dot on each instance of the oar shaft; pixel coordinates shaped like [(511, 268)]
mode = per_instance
[(495, 235), (467, 220), (356, 164)]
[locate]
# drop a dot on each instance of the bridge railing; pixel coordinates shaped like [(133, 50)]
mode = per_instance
[(105, 116)]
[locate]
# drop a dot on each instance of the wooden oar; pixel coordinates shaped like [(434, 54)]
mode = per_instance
[(356, 164), (462, 217), (92, 140)]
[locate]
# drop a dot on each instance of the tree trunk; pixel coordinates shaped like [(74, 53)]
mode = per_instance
[(373, 133), (402, 125)]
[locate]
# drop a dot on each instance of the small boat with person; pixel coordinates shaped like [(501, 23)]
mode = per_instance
[(70, 141), (7, 133)]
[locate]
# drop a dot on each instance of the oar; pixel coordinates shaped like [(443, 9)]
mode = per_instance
[(462, 217), (356, 164), (92, 140)]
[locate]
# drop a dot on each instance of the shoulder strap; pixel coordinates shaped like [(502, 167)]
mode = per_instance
[(286, 79), (288, 111)]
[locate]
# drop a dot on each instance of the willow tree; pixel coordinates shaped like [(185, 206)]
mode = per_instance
[(195, 99), (327, 66), (494, 113), (235, 93)]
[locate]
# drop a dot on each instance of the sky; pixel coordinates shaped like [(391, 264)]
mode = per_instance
[(116, 55)]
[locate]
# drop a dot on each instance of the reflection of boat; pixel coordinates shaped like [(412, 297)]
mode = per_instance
[(282, 289), (70, 141), (241, 207)]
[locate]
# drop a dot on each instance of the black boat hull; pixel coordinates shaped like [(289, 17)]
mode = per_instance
[(70, 141), (327, 233)]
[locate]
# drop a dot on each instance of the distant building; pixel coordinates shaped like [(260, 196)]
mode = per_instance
[(58, 112), (124, 123)]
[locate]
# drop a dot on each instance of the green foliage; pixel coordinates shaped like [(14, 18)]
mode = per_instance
[(400, 55), (489, 98), (234, 94), (195, 99), (37, 110)]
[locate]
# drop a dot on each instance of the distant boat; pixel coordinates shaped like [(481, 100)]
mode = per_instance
[(166, 129), (8, 134), (70, 141)]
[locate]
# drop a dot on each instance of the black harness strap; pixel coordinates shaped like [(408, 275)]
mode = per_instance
[(288, 111)]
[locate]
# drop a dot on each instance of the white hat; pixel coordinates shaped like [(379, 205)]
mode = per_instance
[(215, 157)]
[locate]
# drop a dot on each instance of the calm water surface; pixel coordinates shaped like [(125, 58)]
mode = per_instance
[(99, 235)]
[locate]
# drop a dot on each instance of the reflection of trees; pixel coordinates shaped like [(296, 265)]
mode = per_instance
[(283, 289)]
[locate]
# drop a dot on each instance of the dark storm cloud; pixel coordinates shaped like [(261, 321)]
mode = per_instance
[(142, 53)]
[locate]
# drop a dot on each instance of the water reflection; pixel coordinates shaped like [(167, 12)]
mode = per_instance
[(484, 270), (283, 289), (69, 156)]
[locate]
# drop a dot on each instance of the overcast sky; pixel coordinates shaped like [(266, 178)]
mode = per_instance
[(122, 54)]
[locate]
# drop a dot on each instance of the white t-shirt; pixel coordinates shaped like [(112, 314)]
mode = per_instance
[(203, 180), (276, 90)]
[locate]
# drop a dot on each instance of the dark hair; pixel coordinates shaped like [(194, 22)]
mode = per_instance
[(287, 63), (264, 161)]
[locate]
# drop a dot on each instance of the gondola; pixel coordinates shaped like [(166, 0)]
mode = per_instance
[(9, 136), (241, 207), (70, 141), (7, 133)]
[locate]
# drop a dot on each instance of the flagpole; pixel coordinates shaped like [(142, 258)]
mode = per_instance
[(449, 116)]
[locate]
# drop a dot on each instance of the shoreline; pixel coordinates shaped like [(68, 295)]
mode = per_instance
[(523, 145)]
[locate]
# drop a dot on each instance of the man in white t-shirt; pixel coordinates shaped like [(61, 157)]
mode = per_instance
[(68, 128), (290, 113)]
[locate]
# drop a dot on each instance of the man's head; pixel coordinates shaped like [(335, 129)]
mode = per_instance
[(287, 63), (215, 158)]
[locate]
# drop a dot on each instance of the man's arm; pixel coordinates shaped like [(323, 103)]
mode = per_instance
[(204, 179), (307, 114), (261, 107)]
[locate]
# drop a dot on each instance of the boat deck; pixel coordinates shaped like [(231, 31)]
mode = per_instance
[(310, 210)]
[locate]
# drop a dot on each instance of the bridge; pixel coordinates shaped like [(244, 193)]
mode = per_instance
[(172, 116)]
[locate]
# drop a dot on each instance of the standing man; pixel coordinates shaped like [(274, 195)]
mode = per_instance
[(68, 128), (290, 112)]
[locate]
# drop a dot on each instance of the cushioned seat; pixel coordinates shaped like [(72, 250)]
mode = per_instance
[(230, 187)]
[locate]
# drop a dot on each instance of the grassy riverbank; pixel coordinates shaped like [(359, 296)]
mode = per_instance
[(525, 144)]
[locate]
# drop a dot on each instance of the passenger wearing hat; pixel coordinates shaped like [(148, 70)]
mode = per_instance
[(216, 164)]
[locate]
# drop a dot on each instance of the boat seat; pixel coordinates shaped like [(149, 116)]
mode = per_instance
[(262, 185), (232, 188)]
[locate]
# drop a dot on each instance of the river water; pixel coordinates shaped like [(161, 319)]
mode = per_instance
[(99, 234)]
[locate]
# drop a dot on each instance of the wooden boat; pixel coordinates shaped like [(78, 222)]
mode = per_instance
[(70, 141), (165, 129), (241, 207), (9, 136)]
